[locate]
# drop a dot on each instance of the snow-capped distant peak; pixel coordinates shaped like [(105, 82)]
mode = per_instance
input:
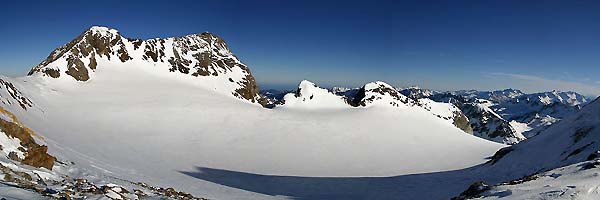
[(555, 96), (381, 93), (309, 95), (305, 84), (103, 30), (377, 85)]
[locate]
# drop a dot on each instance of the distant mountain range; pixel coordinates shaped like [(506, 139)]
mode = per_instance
[(506, 116)]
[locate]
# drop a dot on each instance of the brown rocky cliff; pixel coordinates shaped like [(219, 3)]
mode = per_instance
[(35, 155)]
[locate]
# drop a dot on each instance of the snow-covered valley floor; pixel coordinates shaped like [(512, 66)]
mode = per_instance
[(142, 125)]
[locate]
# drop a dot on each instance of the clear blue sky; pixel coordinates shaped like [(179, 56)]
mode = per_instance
[(445, 45)]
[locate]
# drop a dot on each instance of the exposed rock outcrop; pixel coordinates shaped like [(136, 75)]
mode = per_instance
[(32, 153)]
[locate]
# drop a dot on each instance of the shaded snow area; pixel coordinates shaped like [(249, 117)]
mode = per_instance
[(169, 132), (577, 181), (13, 193)]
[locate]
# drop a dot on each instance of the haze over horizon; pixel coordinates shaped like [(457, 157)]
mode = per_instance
[(533, 46)]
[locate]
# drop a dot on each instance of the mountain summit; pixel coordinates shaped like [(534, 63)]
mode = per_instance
[(205, 56)]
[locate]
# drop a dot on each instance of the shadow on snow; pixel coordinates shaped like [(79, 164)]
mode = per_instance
[(437, 185)]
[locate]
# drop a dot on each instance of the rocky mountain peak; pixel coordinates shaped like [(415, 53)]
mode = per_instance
[(78, 57), (380, 92), (198, 55)]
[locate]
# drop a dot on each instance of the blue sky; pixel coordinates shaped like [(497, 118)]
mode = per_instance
[(444, 45)]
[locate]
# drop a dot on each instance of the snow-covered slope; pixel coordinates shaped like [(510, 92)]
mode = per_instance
[(134, 120), (27, 171), (154, 138)]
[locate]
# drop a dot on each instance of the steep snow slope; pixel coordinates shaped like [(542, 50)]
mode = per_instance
[(138, 123)]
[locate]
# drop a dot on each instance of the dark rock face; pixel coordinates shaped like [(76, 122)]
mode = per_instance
[(357, 100), (473, 191), (15, 94), (53, 73), (198, 55), (487, 124), (499, 155), (89, 42), (77, 70), (249, 91), (274, 97)]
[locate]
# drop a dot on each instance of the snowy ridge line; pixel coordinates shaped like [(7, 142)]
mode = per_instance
[(309, 96)]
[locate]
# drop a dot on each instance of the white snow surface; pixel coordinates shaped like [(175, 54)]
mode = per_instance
[(8, 145), (313, 97), (519, 127), (444, 110), (155, 127)]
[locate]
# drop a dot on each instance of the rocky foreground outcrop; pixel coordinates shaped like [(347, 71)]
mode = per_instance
[(19, 145)]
